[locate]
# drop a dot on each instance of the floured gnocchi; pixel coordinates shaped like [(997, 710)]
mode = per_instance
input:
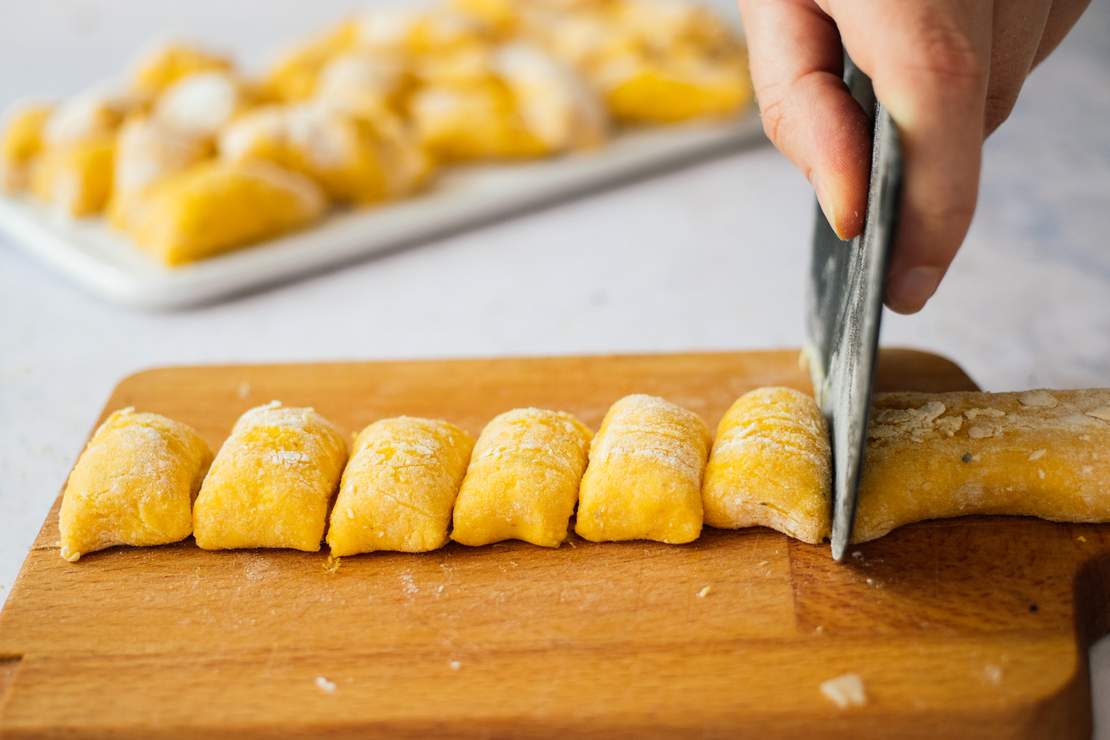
[(400, 486), (644, 478), (271, 481), (771, 466), (216, 206), (523, 479), (133, 485), (21, 142)]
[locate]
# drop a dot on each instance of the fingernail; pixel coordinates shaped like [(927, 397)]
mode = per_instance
[(829, 209), (910, 290)]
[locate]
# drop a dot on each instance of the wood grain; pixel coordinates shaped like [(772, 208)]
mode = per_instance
[(974, 627)]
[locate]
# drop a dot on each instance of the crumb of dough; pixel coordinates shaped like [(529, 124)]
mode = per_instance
[(1041, 399), (1081, 538), (243, 390), (455, 665), (326, 686), (993, 673), (857, 555), (819, 629), (705, 591), (331, 565), (1037, 454), (845, 691)]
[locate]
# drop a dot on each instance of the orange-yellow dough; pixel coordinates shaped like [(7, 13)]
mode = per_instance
[(644, 477), (399, 487), (523, 479), (218, 206), (76, 177), (271, 481), (771, 466), (133, 485), (1035, 453), (21, 143), (168, 64)]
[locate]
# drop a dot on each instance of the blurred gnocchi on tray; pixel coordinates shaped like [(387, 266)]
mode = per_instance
[(191, 158)]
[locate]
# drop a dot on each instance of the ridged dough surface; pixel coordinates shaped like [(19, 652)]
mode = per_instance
[(271, 481), (134, 484), (399, 487), (217, 206), (523, 479), (644, 478), (1035, 453), (771, 466)]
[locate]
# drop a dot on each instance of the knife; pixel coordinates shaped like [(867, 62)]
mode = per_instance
[(844, 309)]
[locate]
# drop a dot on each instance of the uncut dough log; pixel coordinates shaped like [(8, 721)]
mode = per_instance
[(771, 466), (399, 487), (271, 481), (523, 479), (1037, 453), (134, 484), (644, 478)]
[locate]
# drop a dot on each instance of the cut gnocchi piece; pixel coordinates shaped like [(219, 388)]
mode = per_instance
[(1036, 453), (771, 466), (399, 487), (76, 178), (678, 89), (202, 104), (134, 484), (21, 143), (295, 75), (148, 152), (557, 106), (271, 481), (169, 63), (523, 479), (644, 478), (218, 206), (353, 157)]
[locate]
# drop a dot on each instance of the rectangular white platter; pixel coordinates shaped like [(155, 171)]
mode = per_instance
[(109, 265)]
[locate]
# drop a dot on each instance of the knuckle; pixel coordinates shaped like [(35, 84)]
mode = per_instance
[(945, 52), (773, 117)]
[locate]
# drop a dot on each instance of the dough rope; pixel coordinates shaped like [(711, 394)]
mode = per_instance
[(936, 455)]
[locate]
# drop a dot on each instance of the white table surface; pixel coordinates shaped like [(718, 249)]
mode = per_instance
[(710, 257)]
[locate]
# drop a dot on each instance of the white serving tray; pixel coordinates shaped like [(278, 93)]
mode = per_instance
[(106, 263)]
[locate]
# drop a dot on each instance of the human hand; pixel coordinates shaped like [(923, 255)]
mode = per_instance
[(948, 71)]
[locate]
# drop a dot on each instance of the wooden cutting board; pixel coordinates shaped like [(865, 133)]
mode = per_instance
[(971, 627)]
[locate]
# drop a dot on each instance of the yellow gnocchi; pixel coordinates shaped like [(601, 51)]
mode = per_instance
[(771, 466), (645, 473), (400, 486), (523, 479), (271, 481), (134, 484)]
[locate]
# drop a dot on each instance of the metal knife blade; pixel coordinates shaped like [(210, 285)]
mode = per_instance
[(845, 303)]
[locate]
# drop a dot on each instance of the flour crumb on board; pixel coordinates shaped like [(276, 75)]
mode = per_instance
[(1081, 538), (705, 591), (244, 390), (845, 691), (326, 686), (993, 673), (857, 554), (440, 589), (454, 665), (331, 565), (819, 629), (1037, 454), (409, 585)]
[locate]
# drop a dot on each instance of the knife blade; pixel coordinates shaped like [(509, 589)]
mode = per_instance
[(844, 310)]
